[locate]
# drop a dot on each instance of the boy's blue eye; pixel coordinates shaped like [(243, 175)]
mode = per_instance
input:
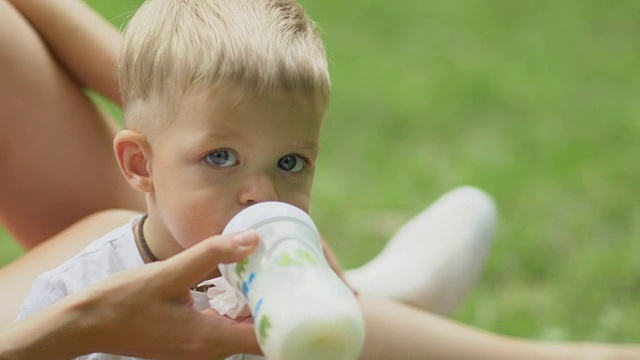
[(222, 158), (291, 163)]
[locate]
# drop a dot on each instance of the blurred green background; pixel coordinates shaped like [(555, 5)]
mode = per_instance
[(537, 102)]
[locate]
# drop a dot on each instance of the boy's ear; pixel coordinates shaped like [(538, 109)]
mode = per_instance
[(133, 153)]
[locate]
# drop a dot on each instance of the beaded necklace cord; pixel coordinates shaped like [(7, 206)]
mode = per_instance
[(147, 250)]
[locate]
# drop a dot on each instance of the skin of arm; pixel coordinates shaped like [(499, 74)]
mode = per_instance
[(92, 55), (121, 314), (17, 276), (55, 332)]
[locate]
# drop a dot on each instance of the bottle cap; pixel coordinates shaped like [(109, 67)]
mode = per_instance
[(264, 212)]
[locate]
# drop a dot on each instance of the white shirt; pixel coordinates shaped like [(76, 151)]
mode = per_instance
[(114, 252)]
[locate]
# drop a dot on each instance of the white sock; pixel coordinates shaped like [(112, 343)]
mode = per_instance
[(435, 259)]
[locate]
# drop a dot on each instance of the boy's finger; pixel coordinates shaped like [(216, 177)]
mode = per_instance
[(191, 265)]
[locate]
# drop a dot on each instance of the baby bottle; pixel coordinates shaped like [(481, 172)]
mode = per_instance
[(301, 308)]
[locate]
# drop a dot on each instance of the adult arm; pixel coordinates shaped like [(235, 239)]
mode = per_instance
[(145, 312), (82, 41), (17, 277)]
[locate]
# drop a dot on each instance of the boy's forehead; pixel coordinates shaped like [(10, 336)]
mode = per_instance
[(236, 101), (232, 134), (225, 113)]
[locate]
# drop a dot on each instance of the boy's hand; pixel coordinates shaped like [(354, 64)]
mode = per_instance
[(333, 263)]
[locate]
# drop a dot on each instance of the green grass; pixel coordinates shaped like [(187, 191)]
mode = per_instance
[(538, 102)]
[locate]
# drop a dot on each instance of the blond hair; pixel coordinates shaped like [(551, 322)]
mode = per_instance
[(171, 47)]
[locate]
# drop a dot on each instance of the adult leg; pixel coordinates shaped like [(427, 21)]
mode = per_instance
[(56, 157), (397, 331), (434, 260)]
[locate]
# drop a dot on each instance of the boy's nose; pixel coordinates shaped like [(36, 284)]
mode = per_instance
[(258, 189)]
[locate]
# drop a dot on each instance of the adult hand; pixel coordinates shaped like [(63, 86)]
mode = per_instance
[(146, 312)]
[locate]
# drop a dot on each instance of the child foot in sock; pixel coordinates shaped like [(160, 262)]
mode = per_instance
[(434, 260)]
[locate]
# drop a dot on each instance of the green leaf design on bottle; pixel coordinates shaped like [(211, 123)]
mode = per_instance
[(263, 328), (306, 256), (298, 258), (285, 260), (241, 267)]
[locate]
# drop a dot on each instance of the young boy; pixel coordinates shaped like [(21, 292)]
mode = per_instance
[(223, 105)]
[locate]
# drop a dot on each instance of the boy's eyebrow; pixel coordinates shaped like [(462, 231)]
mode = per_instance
[(218, 135), (311, 146), (205, 138)]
